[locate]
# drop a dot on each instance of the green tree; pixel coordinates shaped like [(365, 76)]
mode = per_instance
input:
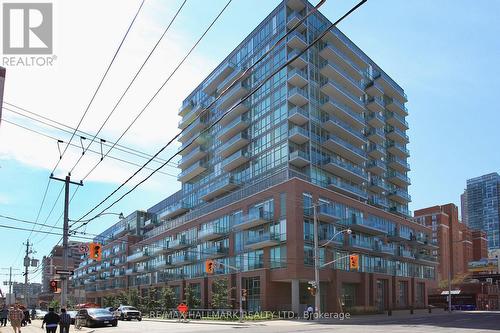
[(54, 304), (167, 300), (220, 294), (191, 297)]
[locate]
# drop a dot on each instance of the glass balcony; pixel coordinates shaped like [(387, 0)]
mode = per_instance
[(212, 232), (297, 77), (193, 156), (237, 75), (361, 243), (327, 213), (263, 240), (298, 96), (376, 151), (191, 115), (397, 120), (296, 40), (378, 185), (226, 184), (295, 19), (347, 47), (178, 243), (375, 89), (398, 178), (337, 92), (398, 163), (301, 60), (210, 85), (345, 170), (343, 112), (296, 5), (298, 135), (233, 128), (192, 171), (233, 95), (379, 202), (346, 188), (298, 115), (400, 196), (241, 107), (299, 158), (397, 135), (183, 259), (396, 148), (335, 72), (376, 135), (193, 129), (343, 130), (173, 210), (345, 149), (375, 104), (235, 160), (376, 166), (426, 258), (391, 88), (138, 256), (397, 107), (214, 252), (253, 219), (366, 226), (131, 271), (234, 144), (400, 210), (375, 119), (330, 53), (389, 249), (186, 106), (406, 253)]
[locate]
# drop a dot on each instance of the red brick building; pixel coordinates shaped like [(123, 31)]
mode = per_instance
[(458, 245)]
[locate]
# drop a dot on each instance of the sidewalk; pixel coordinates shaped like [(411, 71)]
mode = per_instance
[(36, 327)]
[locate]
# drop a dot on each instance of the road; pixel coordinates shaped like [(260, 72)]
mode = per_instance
[(458, 322)]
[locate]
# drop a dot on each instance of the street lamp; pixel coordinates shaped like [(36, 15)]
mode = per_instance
[(317, 296)]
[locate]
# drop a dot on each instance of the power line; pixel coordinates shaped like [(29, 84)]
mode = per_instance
[(164, 83), (104, 142), (76, 146), (36, 224), (227, 112), (100, 84), (129, 86), (45, 232)]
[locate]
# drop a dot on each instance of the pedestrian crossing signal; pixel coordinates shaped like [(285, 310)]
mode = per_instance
[(209, 266), (53, 286), (354, 261), (95, 251)]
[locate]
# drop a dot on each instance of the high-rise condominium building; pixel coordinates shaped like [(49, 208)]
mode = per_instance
[(483, 206), (327, 130)]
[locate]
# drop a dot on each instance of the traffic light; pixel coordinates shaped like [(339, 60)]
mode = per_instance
[(95, 251), (209, 266), (53, 286), (354, 261)]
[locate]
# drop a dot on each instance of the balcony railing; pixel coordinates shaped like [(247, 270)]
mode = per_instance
[(263, 240), (138, 256), (345, 127), (337, 183), (353, 168), (254, 218), (347, 145)]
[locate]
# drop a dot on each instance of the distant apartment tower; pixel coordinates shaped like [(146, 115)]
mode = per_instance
[(463, 208), (458, 245), (2, 83), (483, 206)]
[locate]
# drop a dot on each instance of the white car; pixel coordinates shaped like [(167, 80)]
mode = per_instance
[(40, 314), (125, 312)]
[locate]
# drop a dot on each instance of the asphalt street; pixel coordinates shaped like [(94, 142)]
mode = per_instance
[(436, 323)]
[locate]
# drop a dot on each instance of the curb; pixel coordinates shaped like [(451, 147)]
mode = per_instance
[(198, 322)]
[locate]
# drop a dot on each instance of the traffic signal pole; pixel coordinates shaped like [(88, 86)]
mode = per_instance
[(64, 279), (317, 298)]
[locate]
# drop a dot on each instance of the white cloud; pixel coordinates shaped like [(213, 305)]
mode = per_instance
[(4, 199), (84, 47)]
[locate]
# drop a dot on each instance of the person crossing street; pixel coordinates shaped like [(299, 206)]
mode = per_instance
[(15, 317)]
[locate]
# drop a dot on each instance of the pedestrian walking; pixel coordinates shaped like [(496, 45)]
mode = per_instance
[(310, 312), (33, 314), (26, 320), (15, 317), (4, 314), (65, 321), (51, 320)]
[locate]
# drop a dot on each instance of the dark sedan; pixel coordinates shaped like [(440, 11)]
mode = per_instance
[(96, 317)]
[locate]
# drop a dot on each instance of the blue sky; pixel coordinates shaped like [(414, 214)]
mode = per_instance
[(443, 53)]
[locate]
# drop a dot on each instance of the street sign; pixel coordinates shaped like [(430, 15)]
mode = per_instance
[(64, 272), (83, 248), (182, 308)]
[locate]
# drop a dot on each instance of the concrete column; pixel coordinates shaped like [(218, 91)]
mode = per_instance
[(295, 295)]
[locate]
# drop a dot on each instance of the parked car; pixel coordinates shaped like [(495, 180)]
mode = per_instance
[(126, 312), (114, 311), (72, 314), (96, 317), (40, 314)]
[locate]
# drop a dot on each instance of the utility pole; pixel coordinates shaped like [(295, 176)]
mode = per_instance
[(26, 266), (317, 297), (10, 269), (64, 279)]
